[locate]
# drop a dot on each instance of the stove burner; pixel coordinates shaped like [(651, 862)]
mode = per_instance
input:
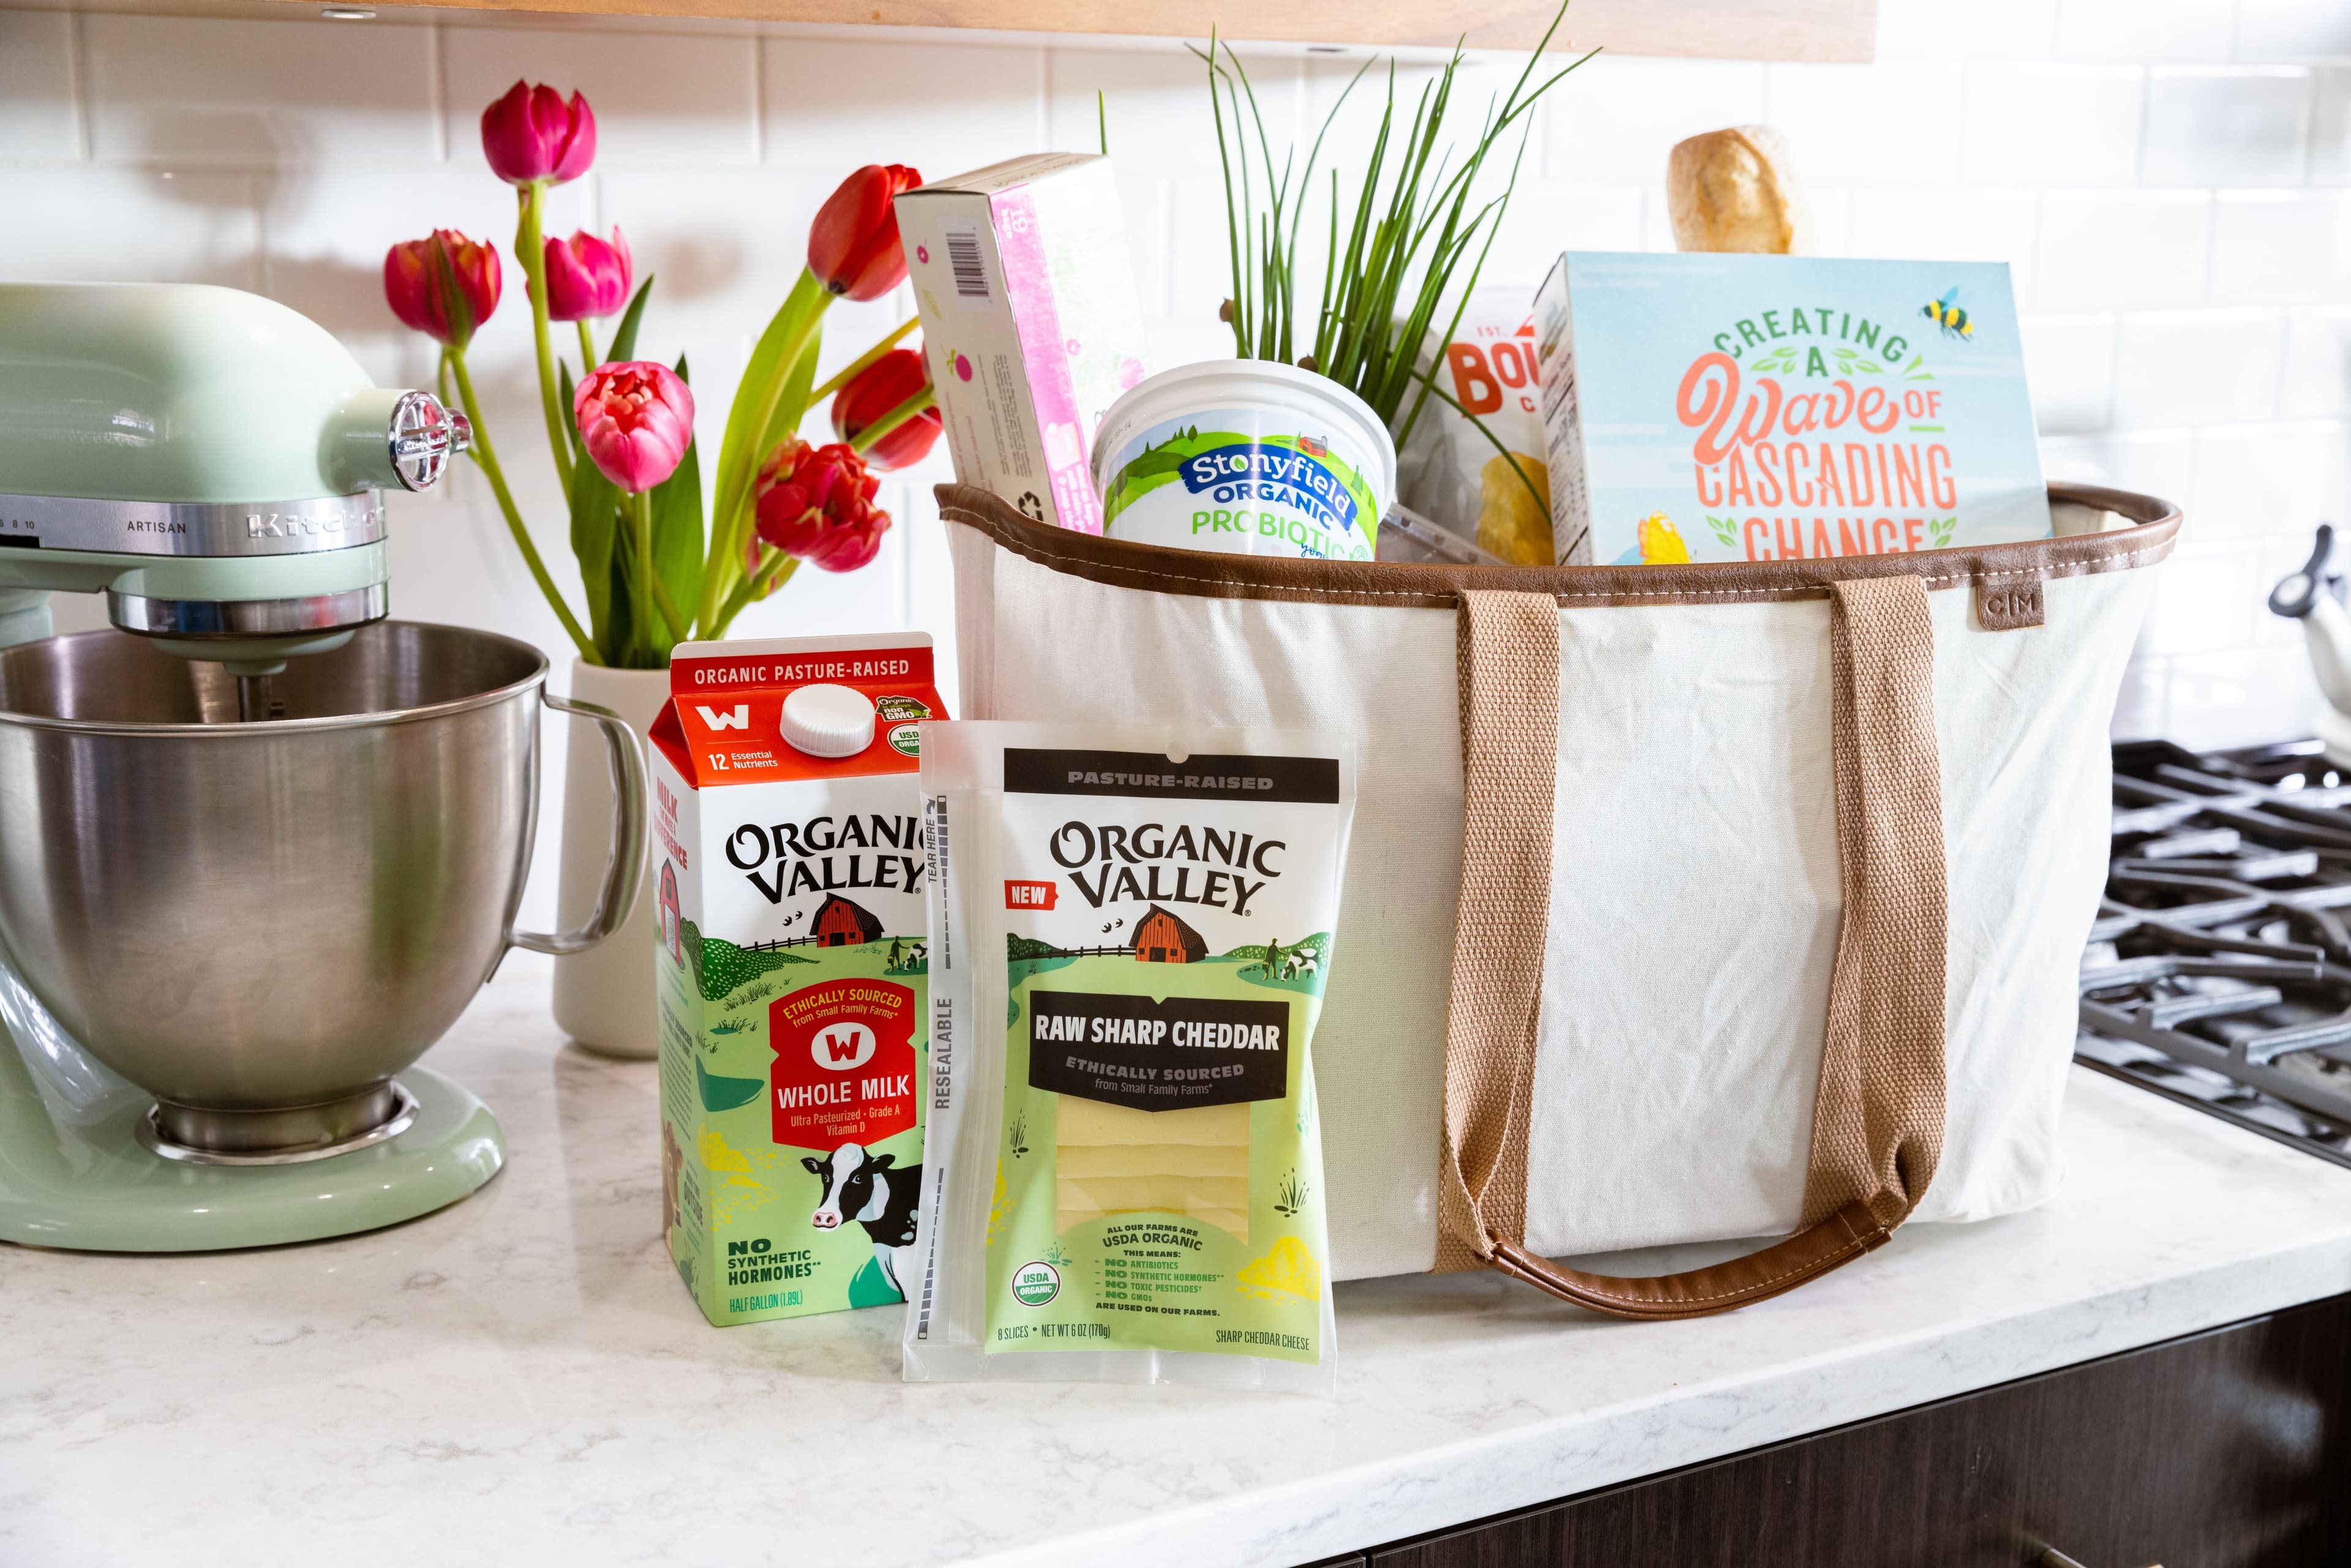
[(2219, 969)]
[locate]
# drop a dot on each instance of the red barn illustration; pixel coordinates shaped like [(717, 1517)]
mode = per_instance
[(840, 924), (1161, 938)]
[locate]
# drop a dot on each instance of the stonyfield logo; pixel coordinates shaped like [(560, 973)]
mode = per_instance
[(1297, 479)]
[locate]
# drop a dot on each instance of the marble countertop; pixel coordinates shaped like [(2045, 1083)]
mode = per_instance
[(522, 1378)]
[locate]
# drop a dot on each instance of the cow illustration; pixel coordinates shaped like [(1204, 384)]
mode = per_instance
[(878, 1194)]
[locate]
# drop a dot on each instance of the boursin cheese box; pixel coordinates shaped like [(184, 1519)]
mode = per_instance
[(1703, 407), (792, 971)]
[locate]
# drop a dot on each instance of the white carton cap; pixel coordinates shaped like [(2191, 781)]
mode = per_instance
[(829, 720)]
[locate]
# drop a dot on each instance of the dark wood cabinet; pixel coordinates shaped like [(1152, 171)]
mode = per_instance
[(2230, 1448)]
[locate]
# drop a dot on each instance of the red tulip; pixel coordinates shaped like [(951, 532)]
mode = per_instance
[(444, 285), (586, 276), (874, 391), (636, 419), (532, 135), (853, 246), (817, 503)]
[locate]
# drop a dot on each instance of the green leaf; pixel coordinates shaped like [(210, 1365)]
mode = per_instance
[(677, 534), (595, 523), (625, 337), (572, 429)]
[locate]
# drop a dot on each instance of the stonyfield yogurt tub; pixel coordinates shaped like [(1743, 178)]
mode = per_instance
[(1247, 457)]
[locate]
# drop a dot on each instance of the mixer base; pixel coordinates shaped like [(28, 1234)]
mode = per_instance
[(92, 1183)]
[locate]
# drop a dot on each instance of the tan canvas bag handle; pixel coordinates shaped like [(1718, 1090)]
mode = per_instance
[(1878, 1120)]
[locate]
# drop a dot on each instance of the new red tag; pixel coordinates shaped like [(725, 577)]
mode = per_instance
[(1030, 894), (844, 1070)]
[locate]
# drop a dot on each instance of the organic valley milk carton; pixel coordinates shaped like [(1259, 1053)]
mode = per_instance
[(792, 969), (1702, 407), (1031, 323)]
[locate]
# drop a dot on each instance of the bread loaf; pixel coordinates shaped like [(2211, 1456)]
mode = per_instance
[(1736, 190)]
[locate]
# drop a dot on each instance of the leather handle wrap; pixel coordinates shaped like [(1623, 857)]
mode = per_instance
[(1877, 1119)]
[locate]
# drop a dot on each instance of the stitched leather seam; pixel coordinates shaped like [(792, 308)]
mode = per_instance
[(2120, 561)]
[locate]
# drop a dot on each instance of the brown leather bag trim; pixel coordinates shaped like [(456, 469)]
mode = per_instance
[(1125, 564)]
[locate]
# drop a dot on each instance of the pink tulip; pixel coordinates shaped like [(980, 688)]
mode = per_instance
[(444, 285), (531, 135), (586, 276), (636, 420)]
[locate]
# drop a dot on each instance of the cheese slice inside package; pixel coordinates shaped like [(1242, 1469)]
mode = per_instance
[(1130, 932)]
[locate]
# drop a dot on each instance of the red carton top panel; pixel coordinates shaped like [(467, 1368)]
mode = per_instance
[(724, 723)]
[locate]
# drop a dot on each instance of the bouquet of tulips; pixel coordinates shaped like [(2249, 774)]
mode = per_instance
[(622, 428)]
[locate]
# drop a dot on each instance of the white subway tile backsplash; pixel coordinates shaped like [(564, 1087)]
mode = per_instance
[(2226, 126), (2205, 601), (1939, 31), (2240, 697), (2121, 250), (2330, 127), (2281, 247), (2153, 462), (2180, 30), (187, 91), (130, 226), (725, 244), (2197, 367), (1615, 122), (946, 109), (2317, 363), (1545, 219), (37, 118), (661, 99), (2069, 363), (1844, 120), (2293, 30), (1948, 225), (2040, 125), (2143, 707), (2268, 481)]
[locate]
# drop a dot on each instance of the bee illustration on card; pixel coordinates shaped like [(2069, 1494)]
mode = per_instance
[(1947, 314)]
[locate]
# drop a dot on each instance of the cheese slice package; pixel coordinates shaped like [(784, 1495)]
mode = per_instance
[(1130, 929)]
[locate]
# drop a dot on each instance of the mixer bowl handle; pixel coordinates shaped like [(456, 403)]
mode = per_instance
[(624, 871)]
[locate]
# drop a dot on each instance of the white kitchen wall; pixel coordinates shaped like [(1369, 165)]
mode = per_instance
[(2170, 181)]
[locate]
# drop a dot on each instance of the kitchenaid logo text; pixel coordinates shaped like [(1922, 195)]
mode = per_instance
[(830, 854), (1149, 864)]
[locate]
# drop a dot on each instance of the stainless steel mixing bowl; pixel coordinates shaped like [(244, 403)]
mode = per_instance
[(261, 923)]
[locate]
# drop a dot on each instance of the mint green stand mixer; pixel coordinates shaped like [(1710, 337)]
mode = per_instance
[(257, 854)]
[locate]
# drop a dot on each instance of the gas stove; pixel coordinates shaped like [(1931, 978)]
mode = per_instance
[(2218, 970)]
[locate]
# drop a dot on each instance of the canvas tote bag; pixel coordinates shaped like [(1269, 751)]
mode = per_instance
[(1684, 903)]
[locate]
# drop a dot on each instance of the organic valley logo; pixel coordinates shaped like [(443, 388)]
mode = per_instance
[(1132, 862), (829, 854), (1787, 470)]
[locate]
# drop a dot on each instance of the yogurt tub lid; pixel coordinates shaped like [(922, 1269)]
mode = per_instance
[(1219, 383), (827, 720)]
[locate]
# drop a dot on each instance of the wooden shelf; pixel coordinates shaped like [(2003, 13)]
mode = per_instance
[(1721, 29)]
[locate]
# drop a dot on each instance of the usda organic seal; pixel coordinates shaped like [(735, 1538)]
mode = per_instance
[(1246, 457), (1035, 1284)]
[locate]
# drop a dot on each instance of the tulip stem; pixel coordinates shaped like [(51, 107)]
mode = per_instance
[(773, 573), (589, 359), (641, 522), (914, 407), (486, 456), (679, 631), (863, 362), (530, 250)]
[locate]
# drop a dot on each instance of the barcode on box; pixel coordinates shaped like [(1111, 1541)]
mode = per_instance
[(963, 260)]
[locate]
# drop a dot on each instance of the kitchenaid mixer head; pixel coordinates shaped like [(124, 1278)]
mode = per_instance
[(211, 461)]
